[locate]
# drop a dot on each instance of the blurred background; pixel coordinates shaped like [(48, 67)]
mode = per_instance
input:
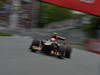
[(40, 20)]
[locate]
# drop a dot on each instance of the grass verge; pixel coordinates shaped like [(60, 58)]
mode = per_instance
[(5, 34)]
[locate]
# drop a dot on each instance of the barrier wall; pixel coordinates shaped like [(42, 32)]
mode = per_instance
[(93, 45)]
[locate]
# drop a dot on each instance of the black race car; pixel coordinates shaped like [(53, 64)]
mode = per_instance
[(49, 47)]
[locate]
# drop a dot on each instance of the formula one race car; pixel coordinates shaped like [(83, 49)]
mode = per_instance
[(50, 47)]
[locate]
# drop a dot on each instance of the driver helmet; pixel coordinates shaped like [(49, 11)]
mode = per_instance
[(55, 33)]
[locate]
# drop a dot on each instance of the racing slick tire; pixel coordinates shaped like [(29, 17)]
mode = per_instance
[(68, 52), (34, 43), (33, 50)]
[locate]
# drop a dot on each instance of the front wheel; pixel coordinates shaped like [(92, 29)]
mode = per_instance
[(33, 50), (35, 43)]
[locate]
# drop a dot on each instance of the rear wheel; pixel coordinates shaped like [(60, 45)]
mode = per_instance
[(68, 52)]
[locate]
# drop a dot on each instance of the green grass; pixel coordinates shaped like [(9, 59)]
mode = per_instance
[(5, 34)]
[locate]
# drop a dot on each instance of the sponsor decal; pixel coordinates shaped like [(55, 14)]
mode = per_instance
[(88, 1)]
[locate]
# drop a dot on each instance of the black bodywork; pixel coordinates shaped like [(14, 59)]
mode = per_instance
[(62, 50)]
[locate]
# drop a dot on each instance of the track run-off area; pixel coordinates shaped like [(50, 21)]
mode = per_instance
[(16, 59)]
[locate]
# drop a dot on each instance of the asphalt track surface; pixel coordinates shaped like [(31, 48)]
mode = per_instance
[(16, 59)]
